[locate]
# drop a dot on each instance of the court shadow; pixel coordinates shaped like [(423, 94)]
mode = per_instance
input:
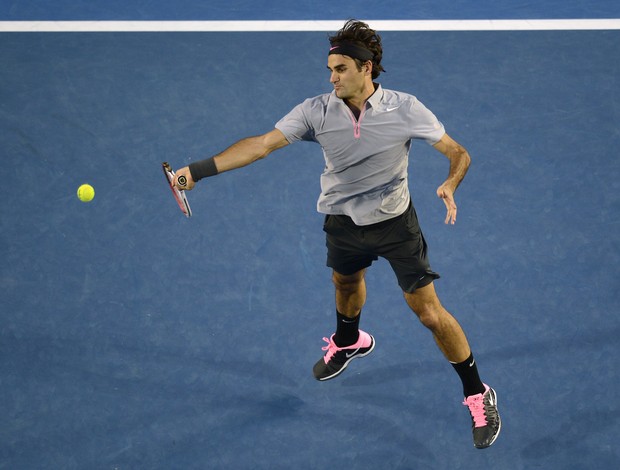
[(261, 407)]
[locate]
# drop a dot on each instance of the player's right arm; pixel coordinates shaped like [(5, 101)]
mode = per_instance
[(238, 155)]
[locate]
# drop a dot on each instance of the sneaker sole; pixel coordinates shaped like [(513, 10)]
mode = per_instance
[(335, 374)]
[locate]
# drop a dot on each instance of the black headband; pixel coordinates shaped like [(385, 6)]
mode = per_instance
[(352, 50)]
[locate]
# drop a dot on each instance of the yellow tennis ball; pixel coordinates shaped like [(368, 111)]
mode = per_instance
[(86, 193)]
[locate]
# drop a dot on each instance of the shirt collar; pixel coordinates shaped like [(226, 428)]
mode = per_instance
[(376, 97)]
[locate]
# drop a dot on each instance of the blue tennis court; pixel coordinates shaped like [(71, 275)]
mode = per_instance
[(132, 337)]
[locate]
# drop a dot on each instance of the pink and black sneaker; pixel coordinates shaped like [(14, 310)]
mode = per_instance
[(486, 423), (337, 359)]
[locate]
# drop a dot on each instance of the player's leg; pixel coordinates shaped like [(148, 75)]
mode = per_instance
[(406, 250), (350, 292), (347, 258), (349, 342), (350, 298), (480, 399), (446, 330)]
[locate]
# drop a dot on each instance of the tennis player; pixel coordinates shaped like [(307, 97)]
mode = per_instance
[(365, 132)]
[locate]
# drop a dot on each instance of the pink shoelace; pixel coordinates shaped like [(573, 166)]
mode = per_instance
[(331, 349), (475, 403)]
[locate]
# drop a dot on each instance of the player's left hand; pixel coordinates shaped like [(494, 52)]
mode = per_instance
[(447, 195)]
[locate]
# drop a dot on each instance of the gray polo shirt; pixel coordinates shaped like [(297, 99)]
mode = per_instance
[(366, 159)]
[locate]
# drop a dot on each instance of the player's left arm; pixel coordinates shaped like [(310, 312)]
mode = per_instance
[(459, 163)]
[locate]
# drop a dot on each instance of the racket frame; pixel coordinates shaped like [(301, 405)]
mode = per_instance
[(179, 194)]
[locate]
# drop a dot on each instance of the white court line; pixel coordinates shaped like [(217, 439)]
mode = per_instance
[(318, 25)]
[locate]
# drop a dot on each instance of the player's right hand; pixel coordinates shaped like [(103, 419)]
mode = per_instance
[(183, 180), (446, 194)]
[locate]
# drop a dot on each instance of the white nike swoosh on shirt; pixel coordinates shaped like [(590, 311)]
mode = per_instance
[(387, 110)]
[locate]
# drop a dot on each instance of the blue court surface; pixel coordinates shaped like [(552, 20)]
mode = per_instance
[(132, 337), (21, 10)]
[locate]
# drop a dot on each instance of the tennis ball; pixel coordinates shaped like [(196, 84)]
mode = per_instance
[(86, 193)]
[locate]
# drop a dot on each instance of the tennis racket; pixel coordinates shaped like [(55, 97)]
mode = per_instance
[(179, 195)]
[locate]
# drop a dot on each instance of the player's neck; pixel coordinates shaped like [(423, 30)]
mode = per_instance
[(357, 103)]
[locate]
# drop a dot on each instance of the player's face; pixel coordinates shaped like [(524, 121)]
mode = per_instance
[(349, 82)]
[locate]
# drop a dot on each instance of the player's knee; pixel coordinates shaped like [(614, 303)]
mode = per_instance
[(430, 319), (428, 311), (345, 284)]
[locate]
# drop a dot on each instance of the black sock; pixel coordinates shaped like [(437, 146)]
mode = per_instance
[(347, 330), (468, 372)]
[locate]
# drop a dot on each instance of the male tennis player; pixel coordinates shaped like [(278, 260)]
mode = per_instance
[(365, 132)]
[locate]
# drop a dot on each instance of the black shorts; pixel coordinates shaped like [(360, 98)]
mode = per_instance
[(351, 248)]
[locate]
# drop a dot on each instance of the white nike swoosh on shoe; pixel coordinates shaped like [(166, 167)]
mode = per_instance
[(352, 354)]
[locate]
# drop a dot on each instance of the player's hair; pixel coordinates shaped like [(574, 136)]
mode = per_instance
[(359, 33)]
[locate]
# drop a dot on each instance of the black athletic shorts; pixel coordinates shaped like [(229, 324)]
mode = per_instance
[(351, 248)]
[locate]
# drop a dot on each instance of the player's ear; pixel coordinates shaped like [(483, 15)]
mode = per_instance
[(368, 66)]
